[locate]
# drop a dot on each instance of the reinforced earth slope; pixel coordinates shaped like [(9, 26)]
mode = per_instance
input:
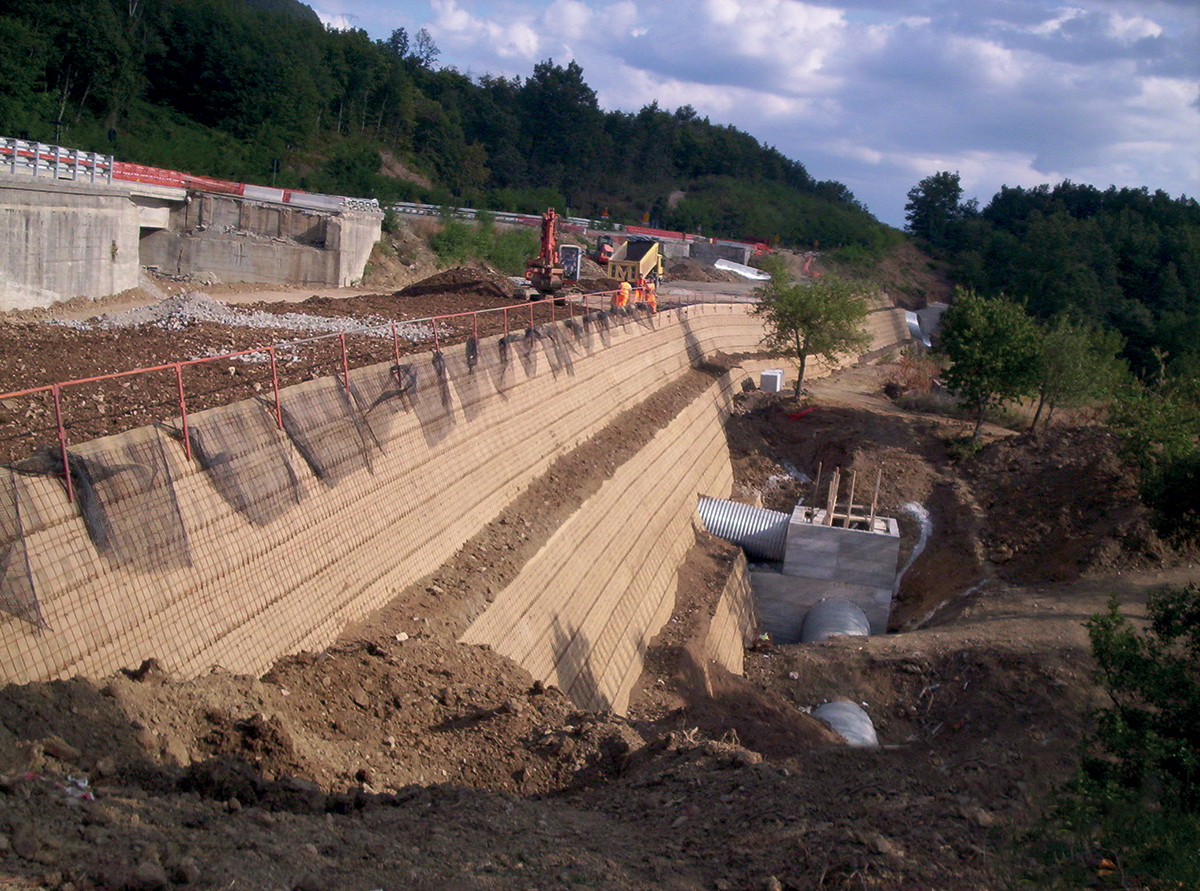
[(265, 544)]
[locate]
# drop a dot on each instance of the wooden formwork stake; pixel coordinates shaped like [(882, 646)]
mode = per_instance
[(831, 502), (816, 492), (875, 500), (850, 503)]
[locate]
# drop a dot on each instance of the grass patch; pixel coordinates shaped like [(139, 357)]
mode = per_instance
[(459, 241)]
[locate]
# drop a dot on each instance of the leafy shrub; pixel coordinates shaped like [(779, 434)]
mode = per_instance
[(507, 250), (1136, 798), (960, 448), (1172, 491)]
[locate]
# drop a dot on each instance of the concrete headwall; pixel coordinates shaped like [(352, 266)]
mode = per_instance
[(238, 587), (59, 241), (248, 241)]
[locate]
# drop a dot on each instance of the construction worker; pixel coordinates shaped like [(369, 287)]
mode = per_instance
[(651, 296), (640, 291), (621, 296)]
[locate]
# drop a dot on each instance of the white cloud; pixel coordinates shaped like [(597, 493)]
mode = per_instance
[(517, 38), (885, 92), (1130, 28), (337, 21)]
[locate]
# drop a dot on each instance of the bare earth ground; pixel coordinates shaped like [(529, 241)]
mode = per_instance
[(400, 759)]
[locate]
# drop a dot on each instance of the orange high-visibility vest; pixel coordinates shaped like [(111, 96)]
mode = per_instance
[(622, 296)]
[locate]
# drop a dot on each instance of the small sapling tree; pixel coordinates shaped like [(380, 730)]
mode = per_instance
[(1077, 364), (824, 318), (993, 347)]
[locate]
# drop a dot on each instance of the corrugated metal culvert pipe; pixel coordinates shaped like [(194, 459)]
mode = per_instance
[(848, 719), (833, 618), (761, 533)]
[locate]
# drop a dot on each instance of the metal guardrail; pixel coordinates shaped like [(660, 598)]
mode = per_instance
[(519, 317), (18, 156)]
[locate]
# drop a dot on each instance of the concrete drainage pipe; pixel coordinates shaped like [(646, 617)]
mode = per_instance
[(832, 618), (761, 533), (851, 721)]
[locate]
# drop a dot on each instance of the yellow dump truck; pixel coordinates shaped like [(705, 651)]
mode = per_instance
[(636, 257)]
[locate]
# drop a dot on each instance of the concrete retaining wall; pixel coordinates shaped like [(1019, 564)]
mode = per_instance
[(454, 455), (732, 625), (246, 241), (59, 241), (582, 611)]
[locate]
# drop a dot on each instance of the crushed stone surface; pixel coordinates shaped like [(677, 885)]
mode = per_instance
[(184, 310)]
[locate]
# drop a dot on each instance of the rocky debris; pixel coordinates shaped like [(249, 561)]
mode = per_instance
[(186, 310)]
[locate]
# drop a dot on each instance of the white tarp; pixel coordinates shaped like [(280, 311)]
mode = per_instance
[(745, 271)]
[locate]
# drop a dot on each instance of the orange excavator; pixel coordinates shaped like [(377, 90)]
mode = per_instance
[(545, 271)]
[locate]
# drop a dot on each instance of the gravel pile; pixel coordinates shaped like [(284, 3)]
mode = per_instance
[(177, 313)]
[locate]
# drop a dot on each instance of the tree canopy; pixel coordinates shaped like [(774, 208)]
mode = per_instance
[(823, 318), (1124, 259), (993, 348)]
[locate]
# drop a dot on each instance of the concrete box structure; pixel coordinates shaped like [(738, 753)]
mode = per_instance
[(823, 562), (771, 381)]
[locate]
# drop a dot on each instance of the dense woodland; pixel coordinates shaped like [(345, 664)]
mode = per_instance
[(1125, 259), (229, 87)]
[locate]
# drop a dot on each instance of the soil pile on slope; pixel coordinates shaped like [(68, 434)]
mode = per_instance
[(689, 270), (473, 281), (1068, 487)]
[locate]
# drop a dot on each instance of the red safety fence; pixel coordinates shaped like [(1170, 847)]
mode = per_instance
[(583, 304)]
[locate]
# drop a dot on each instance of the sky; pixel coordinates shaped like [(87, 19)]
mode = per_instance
[(876, 94)]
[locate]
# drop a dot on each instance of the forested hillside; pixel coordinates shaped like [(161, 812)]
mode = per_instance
[(1128, 259), (260, 91)]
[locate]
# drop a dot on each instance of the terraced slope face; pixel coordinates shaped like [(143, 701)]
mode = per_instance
[(285, 541)]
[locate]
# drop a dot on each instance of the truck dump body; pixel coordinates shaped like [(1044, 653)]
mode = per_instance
[(635, 258)]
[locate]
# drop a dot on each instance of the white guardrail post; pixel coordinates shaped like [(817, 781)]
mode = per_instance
[(19, 155)]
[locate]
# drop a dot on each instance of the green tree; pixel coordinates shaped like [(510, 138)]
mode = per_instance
[(824, 318), (1137, 793), (1077, 364), (933, 206), (993, 348)]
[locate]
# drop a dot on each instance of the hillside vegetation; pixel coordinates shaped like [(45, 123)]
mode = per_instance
[(1125, 259), (262, 92)]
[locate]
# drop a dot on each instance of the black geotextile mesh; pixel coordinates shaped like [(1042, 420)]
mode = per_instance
[(17, 595), (380, 393), (125, 494), (247, 461), (325, 429), (443, 378)]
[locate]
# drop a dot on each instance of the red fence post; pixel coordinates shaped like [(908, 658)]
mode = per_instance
[(62, 442), (275, 386), (436, 346), (506, 321), (345, 363), (395, 344), (187, 440)]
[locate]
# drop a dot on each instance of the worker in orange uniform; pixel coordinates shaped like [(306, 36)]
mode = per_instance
[(640, 291), (651, 296), (621, 297)]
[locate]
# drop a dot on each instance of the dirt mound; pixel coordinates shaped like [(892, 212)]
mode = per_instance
[(1069, 487), (694, 271), (475, 281), (593, 285)]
